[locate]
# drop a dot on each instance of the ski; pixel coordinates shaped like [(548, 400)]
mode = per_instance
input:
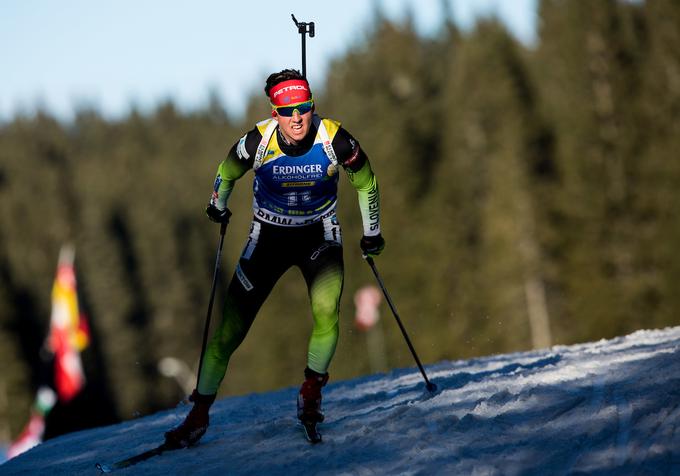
[(104, 468), (311, 433)]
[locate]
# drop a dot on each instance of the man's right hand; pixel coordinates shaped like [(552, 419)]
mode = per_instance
[(217, 215)]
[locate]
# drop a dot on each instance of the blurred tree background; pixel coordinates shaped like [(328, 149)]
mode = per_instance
[(529, 194)]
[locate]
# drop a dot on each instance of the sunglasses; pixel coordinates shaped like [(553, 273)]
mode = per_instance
[(288, 111)]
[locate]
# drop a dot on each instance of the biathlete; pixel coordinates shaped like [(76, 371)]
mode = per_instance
[(296, 156)]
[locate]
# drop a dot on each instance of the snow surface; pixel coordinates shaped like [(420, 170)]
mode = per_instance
[(609, 407)]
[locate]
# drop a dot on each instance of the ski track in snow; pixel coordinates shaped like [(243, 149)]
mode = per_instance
[(608, 407)]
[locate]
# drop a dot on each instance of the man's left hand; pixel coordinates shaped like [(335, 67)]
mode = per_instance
[(372, 245)]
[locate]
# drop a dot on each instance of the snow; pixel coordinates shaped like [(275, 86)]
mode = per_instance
[(608, 407)]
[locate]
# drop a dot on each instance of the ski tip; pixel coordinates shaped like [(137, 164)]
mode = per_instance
[(102, 468)]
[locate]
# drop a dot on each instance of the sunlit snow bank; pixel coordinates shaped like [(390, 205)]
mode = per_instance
[(609, 407)]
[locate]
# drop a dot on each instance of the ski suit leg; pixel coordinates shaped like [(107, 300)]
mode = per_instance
[(324, 273), (256, 273)]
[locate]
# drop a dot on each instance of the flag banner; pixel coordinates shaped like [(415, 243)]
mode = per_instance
[(69, 333), (367, 301), (34, 430)]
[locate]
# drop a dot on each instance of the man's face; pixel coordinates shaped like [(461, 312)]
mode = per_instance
[(295, 127)]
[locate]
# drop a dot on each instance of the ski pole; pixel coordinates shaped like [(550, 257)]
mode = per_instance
[(303, 29), (429, 385), (223, 229)]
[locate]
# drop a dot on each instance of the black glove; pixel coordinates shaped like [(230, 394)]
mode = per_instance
[(217, 215), (372, 245)]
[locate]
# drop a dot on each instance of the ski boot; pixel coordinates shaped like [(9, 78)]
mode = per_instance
[(194, 425), (309, 403)]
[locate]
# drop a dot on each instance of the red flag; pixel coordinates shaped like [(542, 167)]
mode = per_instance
[(34, 430), (367, 300), (30, 437), (68, 330)]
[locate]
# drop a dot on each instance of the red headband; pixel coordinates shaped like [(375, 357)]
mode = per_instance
[(293, 91)]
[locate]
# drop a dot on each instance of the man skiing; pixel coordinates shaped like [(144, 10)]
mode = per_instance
[(295, 156)]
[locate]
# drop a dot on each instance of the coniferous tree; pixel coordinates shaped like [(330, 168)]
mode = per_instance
[(658, 197), (485, 208), (588, 70), (386, 93)]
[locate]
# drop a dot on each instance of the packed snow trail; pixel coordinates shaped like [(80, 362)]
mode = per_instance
[(609, 407)]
